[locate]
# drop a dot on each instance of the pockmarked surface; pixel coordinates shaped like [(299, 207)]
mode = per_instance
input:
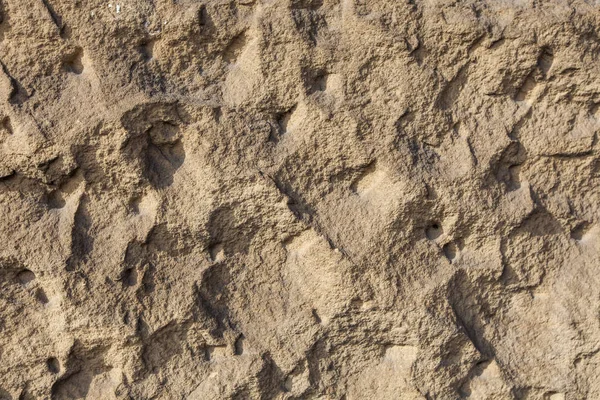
[(299, 199)]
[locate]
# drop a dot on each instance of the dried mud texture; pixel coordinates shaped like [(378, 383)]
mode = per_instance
[(299, 199)]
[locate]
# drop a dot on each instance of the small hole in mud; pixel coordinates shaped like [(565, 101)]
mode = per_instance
[(6, 126), (450, 251), (40, 295), (130, 277), (53, 365), (127, 318), (434, 231), (217, 113), (202, 16), (147, 49), (25, 277), (239, 346), (73, 63), (515, 181)]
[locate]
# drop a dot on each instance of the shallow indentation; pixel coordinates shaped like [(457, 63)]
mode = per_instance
[(289, 122), (235, 48), (162, 161), (579, 232), (545, 60), (143, 205), (401, 356), (514, 172), (283, 120), (288, 384), (526, 89), (73, 62), (164, 133), (316, 82), (450, 251), (25, 277), (215, 352), (134, 204), (370, 179), (56, 200), (217, 252)]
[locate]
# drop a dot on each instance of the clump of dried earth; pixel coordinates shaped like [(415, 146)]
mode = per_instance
[(299, 199)]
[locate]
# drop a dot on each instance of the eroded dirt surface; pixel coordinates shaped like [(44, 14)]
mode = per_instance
[(299, 199)]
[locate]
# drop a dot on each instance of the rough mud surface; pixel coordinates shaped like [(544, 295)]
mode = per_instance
[(299, 199)]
